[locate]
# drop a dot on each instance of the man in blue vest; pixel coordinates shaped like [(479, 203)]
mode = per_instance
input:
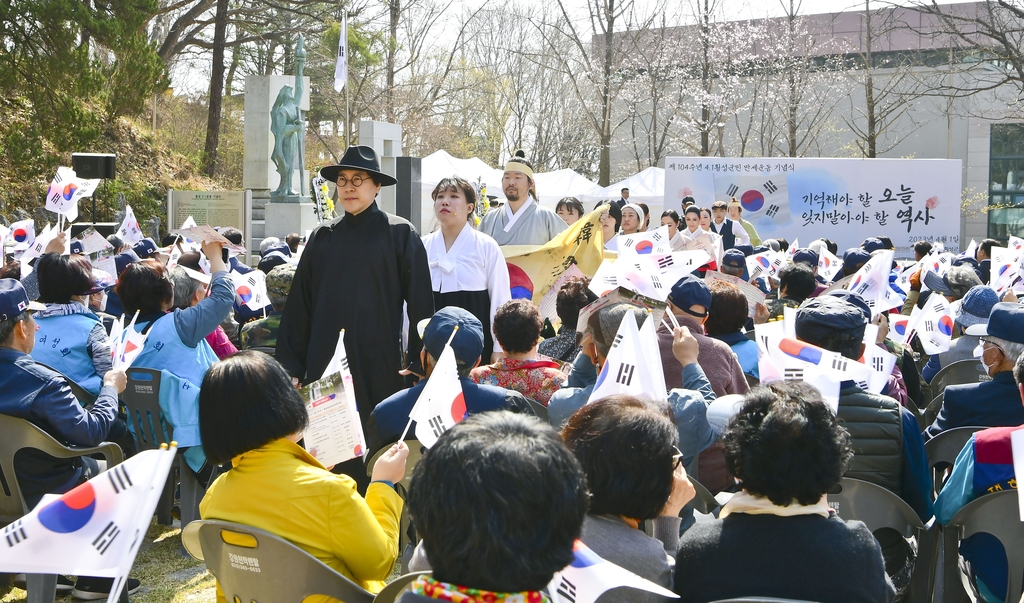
[(41, 396), (388, 419), (985, 465), (732, 232)]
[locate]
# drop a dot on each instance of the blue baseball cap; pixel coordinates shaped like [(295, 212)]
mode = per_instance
[(871, 244), (734, 258), (468, 342), (76, 247), (124, 258), (745, 249), (820, 316), (14, 300), (855, 257), (690, 291), (806, 256), (1006, 321), (144, 248)]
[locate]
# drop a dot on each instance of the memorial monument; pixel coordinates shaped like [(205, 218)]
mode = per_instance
[(274, 160)]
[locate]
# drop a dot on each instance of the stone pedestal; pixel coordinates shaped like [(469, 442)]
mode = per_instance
[(386, 140), (281, 219)]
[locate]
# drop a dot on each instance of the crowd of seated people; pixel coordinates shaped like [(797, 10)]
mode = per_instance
[(607, 469)]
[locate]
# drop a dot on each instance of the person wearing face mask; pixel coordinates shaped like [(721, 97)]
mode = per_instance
[(995, 403), (102, 283), (467, 268)]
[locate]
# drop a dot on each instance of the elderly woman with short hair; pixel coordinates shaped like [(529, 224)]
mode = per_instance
[(778, 537)]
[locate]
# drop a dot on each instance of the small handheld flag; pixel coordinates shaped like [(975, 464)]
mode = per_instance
[(441, 403), (589, 576)]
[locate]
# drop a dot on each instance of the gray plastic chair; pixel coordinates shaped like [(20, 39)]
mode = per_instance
[(958, 373), (997, 514), (20, 434), (539, 409), (84, 398), (259, 567), (943, 449), (416, 452), (141, 397), (879, 508), (396, 587), (761, 600), (932, 410)]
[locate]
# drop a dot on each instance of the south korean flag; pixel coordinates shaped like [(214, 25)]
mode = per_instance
[(96, 529)]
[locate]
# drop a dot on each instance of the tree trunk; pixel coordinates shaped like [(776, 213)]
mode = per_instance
[(216, 90), (869, 84), (791, 118)]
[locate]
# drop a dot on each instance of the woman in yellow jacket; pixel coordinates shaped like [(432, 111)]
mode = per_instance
[(250, 414)]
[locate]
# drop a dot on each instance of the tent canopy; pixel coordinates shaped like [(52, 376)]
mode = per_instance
[(553, 186)]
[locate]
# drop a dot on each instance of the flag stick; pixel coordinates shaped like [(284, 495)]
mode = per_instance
[(413, 411), (672, 318)]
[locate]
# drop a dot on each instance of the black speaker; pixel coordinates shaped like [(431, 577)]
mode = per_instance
[(408, 191), (94, 165)]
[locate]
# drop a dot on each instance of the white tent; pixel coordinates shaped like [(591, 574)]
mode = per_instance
[(647, 187), (553, 186)]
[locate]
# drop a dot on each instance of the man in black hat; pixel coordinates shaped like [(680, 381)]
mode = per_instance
[(356, 273)]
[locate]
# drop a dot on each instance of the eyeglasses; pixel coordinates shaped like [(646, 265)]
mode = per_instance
[(677, 458), (356, 181), (991, 343)]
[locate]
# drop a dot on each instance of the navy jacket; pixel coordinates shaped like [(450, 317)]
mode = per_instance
[(388, 419), (994, 403), (30, 391)]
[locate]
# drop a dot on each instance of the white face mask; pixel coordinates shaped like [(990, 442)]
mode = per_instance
[(103, 301), (979, 352)]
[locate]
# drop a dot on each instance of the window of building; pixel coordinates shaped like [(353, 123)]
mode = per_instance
[(1006, 182)]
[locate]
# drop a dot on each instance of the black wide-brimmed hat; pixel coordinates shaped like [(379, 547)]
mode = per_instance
[(359, 157)]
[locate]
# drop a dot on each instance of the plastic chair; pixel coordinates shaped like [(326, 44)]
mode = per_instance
[(932, 410), (879, 508), (84, 398), (396, 587), (943, 449), (997, 514), (255, 566), (761, 600), (141, 397), (959, 373), (539, 409), (20, 434)]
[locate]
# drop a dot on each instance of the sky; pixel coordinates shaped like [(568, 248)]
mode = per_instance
[(194, 77)]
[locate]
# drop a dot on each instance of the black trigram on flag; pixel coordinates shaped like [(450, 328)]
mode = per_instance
[(617, 340), (656, 236), (770, 187), (119, 479), (772, 210), (929, 326), (625, 376), (344, 363), (793, 374), (655, 282), (628, 242), (567, 590), (665, 262), (731, 191), (878, 363), (840, 364), (437, 426), (15, 533), (106, 537)]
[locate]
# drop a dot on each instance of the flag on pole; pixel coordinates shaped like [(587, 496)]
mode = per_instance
[(95, 529), (588, 576), (629, 367), (934, 325), (765, 264), (646, 243), (764, 198), (441, 404), (128, 345), (38, 245), (251, 289), (23, 234), (1005, 269), (828, 265), (341, 67), (129, 232), (532, 271), (791, 250)]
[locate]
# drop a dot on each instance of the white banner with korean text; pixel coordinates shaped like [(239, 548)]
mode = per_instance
[(845, 200)]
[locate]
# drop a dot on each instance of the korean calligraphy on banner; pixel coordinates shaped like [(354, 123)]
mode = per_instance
[(846, 200)]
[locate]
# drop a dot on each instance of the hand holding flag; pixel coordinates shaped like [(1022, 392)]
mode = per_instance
[(441, 404)]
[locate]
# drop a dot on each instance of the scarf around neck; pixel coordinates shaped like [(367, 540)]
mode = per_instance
[(427, 586), (743, 502)]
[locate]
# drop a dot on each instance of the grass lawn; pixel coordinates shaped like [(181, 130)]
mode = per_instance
[(167, 576)]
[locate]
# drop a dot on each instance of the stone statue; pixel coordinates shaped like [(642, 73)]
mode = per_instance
[(289, 130)]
